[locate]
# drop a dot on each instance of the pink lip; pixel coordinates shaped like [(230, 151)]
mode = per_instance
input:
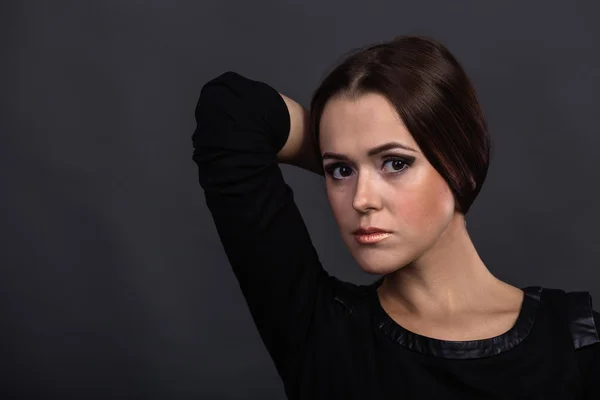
[(368, 230), (372, 237)]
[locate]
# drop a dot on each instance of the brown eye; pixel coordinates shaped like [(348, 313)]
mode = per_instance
[(397, 164), (340, 171), (344, 171)]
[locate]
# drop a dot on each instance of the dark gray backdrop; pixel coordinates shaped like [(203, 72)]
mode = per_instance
[(113, 282)]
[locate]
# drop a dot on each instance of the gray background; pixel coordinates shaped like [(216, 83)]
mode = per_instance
[(113, 282)]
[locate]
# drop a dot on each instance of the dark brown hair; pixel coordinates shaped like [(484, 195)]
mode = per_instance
[(432, 95)]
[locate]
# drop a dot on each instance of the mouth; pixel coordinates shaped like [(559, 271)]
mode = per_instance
[(368, 238), (367, 230)]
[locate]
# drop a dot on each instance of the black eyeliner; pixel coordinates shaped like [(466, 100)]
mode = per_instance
[(407, 160)]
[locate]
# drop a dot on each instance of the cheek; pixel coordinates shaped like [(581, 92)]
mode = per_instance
[(339, 202), (425, 207)]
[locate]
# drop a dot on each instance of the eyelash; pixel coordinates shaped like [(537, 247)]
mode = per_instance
[(332, 167)]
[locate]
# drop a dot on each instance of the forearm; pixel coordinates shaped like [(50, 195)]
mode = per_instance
[(300, 147)]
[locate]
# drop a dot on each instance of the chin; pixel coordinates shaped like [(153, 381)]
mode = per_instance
[(380, 263)]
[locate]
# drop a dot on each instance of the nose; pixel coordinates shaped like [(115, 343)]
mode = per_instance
[(366, 196)]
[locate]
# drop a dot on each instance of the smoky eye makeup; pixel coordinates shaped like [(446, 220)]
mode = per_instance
[(346, 168)]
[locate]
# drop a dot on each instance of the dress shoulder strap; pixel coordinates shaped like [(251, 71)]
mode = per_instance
[(581, 319)]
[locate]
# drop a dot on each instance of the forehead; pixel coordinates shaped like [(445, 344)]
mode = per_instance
[(366, 121)]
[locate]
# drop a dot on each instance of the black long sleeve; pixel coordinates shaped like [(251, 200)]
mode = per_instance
[(241, 125)]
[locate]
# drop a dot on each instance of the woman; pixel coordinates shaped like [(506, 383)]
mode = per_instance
[(398, 134)]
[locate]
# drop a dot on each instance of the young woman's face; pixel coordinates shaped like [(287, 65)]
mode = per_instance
[(396, 190)]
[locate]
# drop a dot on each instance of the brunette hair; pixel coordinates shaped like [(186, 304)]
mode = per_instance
[(432, 95)]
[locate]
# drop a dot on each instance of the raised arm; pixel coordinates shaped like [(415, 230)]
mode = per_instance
[(244, 128), (299, 150)]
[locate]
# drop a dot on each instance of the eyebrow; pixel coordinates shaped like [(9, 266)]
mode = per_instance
[(374, 151)]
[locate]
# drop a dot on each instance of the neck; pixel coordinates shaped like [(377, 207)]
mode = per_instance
[(447, 279)]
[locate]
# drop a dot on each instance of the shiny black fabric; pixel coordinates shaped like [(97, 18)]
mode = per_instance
[(581, 319), (463, 349)]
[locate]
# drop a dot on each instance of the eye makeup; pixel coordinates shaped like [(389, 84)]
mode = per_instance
[(406, 162)]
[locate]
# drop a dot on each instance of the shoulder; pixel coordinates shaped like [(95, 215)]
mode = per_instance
[(582, 319)]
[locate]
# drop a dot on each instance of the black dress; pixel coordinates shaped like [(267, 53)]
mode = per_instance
[(331, 339)]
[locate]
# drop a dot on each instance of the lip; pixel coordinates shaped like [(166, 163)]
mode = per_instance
[(367, 230), (370, 234), (371, 237)]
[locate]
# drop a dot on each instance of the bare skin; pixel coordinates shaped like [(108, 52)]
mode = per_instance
[(435, 283)]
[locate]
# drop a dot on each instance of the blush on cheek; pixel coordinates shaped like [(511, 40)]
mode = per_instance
[(423, 210)]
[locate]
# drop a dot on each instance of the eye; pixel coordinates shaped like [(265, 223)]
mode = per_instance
[(344, 170), (396, 164)]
